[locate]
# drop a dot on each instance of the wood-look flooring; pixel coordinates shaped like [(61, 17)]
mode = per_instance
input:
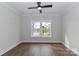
[(28, 49)]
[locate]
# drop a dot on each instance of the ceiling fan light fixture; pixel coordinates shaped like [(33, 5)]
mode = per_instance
[(39, 8)]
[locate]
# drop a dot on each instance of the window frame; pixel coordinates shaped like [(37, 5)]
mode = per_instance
[(32, 22)]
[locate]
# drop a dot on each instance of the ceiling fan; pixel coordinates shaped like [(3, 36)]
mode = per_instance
[(39, 7)]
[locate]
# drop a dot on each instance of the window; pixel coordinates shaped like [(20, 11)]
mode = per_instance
[(41, 29)]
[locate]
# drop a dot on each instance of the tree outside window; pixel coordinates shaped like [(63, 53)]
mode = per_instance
[(42, 29)]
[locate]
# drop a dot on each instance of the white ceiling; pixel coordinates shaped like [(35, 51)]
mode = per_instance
[(58, 7)]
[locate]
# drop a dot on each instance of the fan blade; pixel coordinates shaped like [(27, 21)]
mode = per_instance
[(32, 7), (46, 6), (40, 11)]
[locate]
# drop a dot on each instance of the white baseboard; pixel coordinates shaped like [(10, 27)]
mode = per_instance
[(41, 42), (9, 48), (76, 51)]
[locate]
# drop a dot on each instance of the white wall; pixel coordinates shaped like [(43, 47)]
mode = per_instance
[(71, 29), (56, 27), (9, 28)]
